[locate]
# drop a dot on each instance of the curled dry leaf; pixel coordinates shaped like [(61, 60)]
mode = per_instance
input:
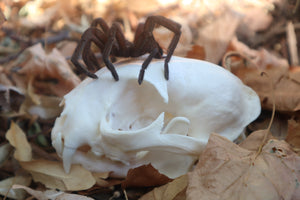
[(51, 194), (17, 139), (227, 171), (174, 190), (50, 72), (52, 175), (6, 185)]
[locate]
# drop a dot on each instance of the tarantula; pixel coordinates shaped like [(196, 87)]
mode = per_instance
[(112, 42)]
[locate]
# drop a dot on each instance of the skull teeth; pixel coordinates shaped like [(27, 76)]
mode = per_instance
[(67, 158)]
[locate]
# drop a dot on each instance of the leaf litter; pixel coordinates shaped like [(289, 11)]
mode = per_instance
[(35, 74)]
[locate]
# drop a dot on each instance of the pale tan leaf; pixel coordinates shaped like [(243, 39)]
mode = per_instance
[(254, 140), (17, 139), (227, 171), (51, 194), (174, 190), (214, 39), (52, 175), (164, 36), (6, 184)]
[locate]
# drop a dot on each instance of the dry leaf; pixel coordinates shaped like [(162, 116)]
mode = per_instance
[(293, 135), (5, 187), (216, 36), (164, 36), (285, 80), (46, 107), (174, 190), (52, 175), (51, 74), (144, 176), (51, 194), (227, 171), (286, 88), (261, 58), (17, 139), (254, 140)]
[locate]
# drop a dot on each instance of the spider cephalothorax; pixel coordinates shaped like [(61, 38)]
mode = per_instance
[(111, 41)]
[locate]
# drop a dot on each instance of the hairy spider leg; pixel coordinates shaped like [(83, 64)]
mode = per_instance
[(101, 23), (90, 35), (146, 63), (115, 34), (172, 26)]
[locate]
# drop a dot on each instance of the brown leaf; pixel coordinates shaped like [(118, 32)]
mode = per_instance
[(52, 175), (174, 190), (50, 73), (293, 135), (144, 176), (227, 171), (285, 80), (17, 139)]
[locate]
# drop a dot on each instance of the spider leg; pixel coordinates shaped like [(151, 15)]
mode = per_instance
[(89, 58), (115, 33), (145, 64), (101, 23), (172, 26), (90, 35)]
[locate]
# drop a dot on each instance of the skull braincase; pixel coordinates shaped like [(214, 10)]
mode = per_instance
[(165, 123)]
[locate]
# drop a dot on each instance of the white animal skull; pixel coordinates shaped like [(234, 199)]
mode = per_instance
[(165, 123)]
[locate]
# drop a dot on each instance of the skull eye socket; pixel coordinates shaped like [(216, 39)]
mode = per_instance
[(136, 107)]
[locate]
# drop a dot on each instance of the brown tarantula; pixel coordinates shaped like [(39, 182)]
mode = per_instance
[(111, 41)]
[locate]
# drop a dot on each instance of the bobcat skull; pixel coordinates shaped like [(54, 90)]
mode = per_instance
[(165, 123)]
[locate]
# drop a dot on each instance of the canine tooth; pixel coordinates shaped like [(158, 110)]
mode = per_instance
[(67, 157)]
